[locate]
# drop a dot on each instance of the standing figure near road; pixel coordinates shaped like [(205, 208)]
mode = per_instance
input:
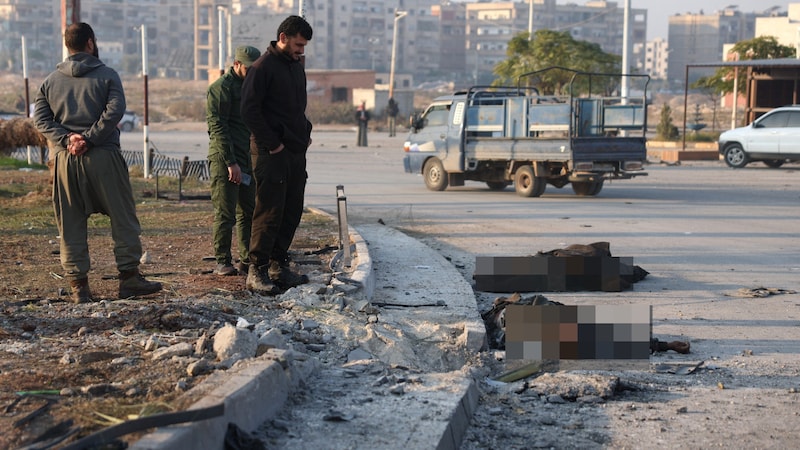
[(274, 109), (233, 195), (77, 109), (362, 119), (391, 112)]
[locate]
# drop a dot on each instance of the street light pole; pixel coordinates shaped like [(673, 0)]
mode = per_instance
[(626, 18), (221, 38), (397, 16)]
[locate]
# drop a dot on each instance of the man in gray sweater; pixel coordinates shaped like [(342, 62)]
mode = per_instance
[(77, 109)]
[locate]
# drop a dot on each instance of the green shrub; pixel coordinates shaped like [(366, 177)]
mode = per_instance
[(665, 130)]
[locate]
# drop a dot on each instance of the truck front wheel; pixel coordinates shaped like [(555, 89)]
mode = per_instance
[(587, 188), (527, 184), (435, 176)]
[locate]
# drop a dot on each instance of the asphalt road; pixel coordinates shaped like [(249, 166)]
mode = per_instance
[(697, 219)]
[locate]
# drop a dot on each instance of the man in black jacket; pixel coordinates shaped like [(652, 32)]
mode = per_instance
[(273, 108)]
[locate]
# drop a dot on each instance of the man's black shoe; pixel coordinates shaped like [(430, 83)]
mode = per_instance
[(281, 275), (259, 282)]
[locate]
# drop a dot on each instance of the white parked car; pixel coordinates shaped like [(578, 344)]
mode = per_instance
[(130, 121), (773, 138)]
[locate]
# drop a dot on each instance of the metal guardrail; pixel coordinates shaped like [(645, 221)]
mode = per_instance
[(164, 165)]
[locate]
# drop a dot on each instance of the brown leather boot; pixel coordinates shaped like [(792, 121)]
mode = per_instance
[(133, 284), (80, 291)]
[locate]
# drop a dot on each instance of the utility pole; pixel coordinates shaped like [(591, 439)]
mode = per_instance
[(397, 16), (626, 18), (530, 21), (70, 13)]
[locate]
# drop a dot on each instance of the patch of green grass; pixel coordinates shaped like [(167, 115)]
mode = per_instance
[(9, 163)]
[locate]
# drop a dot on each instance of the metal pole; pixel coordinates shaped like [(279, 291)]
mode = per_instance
[(145, 131), (626, 18), (27, 92), (301, 9), (530, 21), (397, 16), (221, 38), (735, 96)]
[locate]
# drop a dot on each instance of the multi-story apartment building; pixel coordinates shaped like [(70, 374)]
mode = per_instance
[(651, 58), (785, 28), (453, 41), (489, 27), (699, 38), (37, 20)]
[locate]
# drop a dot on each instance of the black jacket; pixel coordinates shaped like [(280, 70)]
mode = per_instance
[(274, 103)]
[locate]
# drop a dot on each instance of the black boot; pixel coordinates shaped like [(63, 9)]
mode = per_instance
[(281, 275), (133, 284), (258, 281)]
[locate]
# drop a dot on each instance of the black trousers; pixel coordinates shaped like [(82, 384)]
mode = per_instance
[(280, 189)]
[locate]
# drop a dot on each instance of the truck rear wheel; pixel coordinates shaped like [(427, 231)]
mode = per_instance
[(527, 184), (435, 176), (587, 188)]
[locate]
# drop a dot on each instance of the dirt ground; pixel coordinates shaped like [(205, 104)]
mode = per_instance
[(81, 367)]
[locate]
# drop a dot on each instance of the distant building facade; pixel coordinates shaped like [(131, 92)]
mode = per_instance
[(490, 25), (699, 38), (651, 58)]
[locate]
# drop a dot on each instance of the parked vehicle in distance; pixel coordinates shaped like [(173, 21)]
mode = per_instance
[(773, 138), (503, 135), (130, 121)]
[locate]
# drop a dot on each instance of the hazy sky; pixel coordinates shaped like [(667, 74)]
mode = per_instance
[(658, 11)]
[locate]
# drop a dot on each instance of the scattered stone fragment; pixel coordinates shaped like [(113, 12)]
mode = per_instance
[(83, 331), (495, 411), (66, 392), (682, 410), (315, 347), (132, 392), (590, 399), (358, 355), (201, 344), (555, 398), (66, 359), (230, 340), (199, 367), (99, 389), (309, 324), (383, 379), (181, 386), (397, 389), (152, 343), (181, 349), (122, 361), (272, 338)]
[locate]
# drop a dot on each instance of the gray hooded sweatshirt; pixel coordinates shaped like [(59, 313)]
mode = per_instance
[(81, 96)]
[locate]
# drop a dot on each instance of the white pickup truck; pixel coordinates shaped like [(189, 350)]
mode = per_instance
[(505, 135)]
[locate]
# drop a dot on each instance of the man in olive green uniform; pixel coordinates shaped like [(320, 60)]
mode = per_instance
[(77, 109), (233, 192)]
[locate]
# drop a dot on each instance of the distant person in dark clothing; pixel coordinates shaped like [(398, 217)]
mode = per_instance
[(362, 119), (273, 108), (233, 195), (77, 109), (391, 111)]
